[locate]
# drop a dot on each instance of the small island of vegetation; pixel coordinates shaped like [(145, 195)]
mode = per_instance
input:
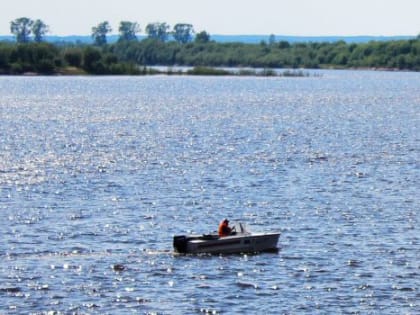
[(181, 46)]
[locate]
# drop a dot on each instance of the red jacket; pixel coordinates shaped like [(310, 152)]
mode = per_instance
[(224, 229)]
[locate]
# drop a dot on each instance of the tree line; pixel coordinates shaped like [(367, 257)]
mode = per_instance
[(402, 55), (181, 46), (183, 33)]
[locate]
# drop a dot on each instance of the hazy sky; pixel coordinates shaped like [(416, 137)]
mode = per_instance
[(280, 17)]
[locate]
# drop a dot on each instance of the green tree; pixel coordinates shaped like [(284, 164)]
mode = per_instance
[(5, 52), (34, 57), (283, 44), (21, 28), (202, 37), (128, 30), (99, 33), (183, 33), (39, 29), (158, 31), (92, 60)]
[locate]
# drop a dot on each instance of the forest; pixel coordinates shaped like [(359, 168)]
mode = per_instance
[(401, 55), (181, 46)]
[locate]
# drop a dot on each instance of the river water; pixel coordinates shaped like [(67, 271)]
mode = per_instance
[(98, 173)]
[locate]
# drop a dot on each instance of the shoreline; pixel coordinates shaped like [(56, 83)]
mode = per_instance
[(212, 71)]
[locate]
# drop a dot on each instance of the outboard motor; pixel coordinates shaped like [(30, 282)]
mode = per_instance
[(180, 243)]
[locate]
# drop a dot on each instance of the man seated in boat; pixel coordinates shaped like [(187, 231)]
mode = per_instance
[(224, 228)]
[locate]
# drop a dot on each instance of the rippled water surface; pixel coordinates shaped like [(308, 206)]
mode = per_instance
[(98, 173)]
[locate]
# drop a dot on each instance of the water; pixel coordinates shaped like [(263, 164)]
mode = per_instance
[(98, 173)]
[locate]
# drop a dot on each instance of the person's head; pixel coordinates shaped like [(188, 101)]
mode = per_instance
[(226, 221)]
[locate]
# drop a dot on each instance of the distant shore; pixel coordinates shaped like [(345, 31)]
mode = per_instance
[(205, 58)]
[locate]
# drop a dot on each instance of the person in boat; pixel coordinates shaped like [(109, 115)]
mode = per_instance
[(224, 229)]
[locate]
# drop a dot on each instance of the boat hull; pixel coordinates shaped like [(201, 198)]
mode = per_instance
[(213, 244)]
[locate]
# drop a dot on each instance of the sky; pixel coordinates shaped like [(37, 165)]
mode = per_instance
[(227, 17)]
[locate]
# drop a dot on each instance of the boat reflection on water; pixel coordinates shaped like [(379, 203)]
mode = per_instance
[(240, 241)]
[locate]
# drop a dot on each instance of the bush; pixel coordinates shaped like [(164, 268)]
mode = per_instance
[(92, 60), (73, 57), (45, 66), (16, 68)]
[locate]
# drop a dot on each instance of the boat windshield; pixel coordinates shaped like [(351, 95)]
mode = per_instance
[(239, 228)]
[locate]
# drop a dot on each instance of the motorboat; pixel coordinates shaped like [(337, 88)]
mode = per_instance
[(241, 240)]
